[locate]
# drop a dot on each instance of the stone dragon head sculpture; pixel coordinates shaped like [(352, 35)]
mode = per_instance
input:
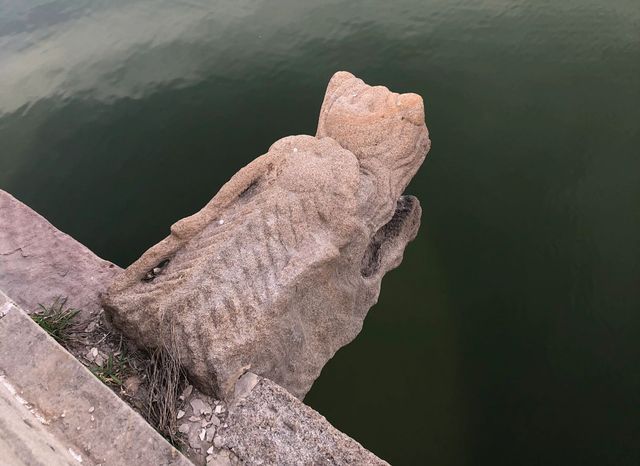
[(279, 269)]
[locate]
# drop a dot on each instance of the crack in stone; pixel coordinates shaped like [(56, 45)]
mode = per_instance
[(14, 251)]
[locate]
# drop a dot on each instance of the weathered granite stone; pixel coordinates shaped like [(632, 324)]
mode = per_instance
[(279, 269), (269, 426), (24, 441), (39, 263)]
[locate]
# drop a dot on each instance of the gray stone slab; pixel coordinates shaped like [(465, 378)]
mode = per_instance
[(23, 439), (72, 404), (39, 263), (270, 426)]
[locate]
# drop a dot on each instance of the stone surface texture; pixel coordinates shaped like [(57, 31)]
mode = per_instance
[(39, 263), (277, 272), (270, 426), (71, 417), (23, 439)]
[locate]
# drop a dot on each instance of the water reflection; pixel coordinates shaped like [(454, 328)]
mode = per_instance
[(509, 335)]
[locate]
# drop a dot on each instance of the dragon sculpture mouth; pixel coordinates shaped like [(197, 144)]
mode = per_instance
[(385, 241)]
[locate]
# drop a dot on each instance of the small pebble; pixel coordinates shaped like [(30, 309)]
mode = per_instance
[(92, 409), (194, 440), (184, 428), (186, 392), (91, 327), (200, 407), (92, 418), (210, 450), (218, 441), (202, 435), (180, 414), (219, 409), (195, 418), (100, 360), (132, 384)]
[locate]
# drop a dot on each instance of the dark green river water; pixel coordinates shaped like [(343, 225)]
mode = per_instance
[(510, 335)]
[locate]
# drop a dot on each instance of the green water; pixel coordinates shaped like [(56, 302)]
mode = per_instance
[(510, 335)]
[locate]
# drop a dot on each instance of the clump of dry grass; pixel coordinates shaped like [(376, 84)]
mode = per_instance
[(166, 379), (159, 372)]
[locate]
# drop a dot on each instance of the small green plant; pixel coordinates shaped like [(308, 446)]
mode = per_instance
[(113, 371), (57, 320)]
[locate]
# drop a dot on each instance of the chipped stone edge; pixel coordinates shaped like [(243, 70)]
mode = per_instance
[(31, 402), (14, 393), (6, 304)]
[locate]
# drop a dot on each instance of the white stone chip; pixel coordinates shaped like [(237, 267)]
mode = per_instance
[(200, 407), (91, 327), (76, 456), (244, 385), (100, 359), (186, 392), (5, 308)]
